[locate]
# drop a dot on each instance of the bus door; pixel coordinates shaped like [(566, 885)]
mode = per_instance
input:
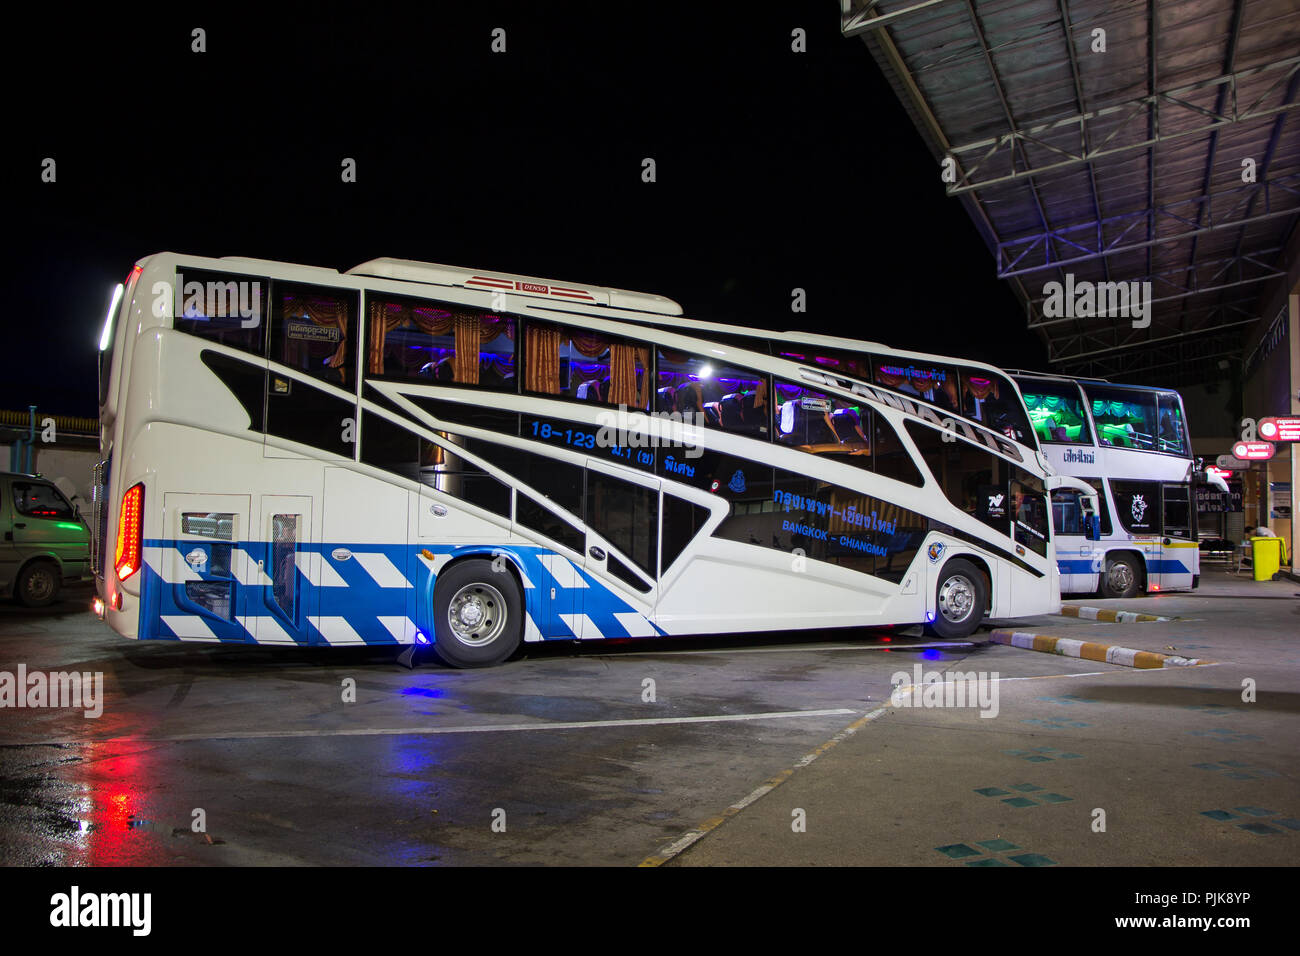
[(207, 572), (622, 553), (1179, 558), (1077, 558), (281, 607)]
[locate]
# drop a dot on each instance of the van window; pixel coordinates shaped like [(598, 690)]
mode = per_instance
[(34, 499)]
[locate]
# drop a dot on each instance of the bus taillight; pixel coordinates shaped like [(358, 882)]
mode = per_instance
[(130, 525)]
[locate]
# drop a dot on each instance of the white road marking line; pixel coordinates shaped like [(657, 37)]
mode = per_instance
[(474, 729)]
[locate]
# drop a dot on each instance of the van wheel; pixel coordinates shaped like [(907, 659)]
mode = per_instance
[(477, 615), (1120, 579), (960, 600), (38, 584)]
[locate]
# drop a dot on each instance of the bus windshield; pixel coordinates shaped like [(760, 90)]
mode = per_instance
[(1056, 411), (1142, 419)]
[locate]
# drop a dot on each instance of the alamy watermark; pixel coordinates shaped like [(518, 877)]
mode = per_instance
[(952, 689), (82, 691), (1083, 299), (631, 429), (209, 300)]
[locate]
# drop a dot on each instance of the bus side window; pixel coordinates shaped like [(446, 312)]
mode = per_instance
[(719, 396), (230, 310), (310, 330)]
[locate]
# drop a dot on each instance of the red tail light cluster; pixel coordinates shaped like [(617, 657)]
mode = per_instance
[(130, 527)]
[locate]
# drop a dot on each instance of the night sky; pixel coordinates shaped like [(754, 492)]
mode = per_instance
[(775, 169)]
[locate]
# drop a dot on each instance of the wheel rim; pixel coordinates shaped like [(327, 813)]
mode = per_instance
[(1120, 576), (957, 598), (40, 585), (477, 614)]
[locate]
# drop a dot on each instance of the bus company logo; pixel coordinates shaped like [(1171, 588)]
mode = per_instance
[(76, 909), (952, 689), (737, 482), (57, 689), (995, 501), (935, 551), (1139, 507), (1102, 300), (205, 301), (1079, 457)]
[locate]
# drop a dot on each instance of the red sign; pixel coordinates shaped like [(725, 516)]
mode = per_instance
[(1223, 473), (1253, 450), (1279, 429)]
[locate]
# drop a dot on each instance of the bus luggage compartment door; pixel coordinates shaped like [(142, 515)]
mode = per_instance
[(281, 605), (204, 568)]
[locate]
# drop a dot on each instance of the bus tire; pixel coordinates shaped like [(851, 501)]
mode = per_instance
[(1121, 578), (960, 598), (38, 584), (478, 614)]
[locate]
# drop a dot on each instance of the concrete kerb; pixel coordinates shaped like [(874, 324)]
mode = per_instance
[(1091, 651), (1105, 614)]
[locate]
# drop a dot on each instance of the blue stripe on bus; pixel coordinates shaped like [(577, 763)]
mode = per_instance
[(1154, 566), (360, 600)]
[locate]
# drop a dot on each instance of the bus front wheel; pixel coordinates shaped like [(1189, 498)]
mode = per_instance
[(960, 600), (477, 614), (1120, 579)]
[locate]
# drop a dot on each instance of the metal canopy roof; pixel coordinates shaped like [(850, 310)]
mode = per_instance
[(1122, 165)]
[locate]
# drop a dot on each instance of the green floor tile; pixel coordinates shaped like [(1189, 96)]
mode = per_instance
[(991, 792), (1289, 823), (1054, 798), (997, 846), (988, 862), (1020, 802), (1038, 759), (957, 851), (1254, 811), (1026, 787), (1260, 828), (1218, 814), (1033, 859)]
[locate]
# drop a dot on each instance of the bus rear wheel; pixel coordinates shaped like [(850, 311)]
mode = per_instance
[(1120, 579), (477, 614), (960, 599)]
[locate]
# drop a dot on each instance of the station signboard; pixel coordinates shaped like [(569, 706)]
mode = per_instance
[(1231, 464), (1279, 429), (1253, 450)]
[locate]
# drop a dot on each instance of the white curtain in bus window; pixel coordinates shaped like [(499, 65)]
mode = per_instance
[(310, 332), (439, 343), (720, 396)]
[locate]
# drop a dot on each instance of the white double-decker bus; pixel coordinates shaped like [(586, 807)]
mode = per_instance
[(413, 453), (1131, 444)]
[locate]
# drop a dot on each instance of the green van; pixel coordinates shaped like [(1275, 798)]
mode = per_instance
[(46, 543)]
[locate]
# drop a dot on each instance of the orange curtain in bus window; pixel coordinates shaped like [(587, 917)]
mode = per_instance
[(469, 337), (542, 359), (622, 376), (328, 313)]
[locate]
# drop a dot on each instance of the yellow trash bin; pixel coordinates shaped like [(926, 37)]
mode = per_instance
[(1265, 557)]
